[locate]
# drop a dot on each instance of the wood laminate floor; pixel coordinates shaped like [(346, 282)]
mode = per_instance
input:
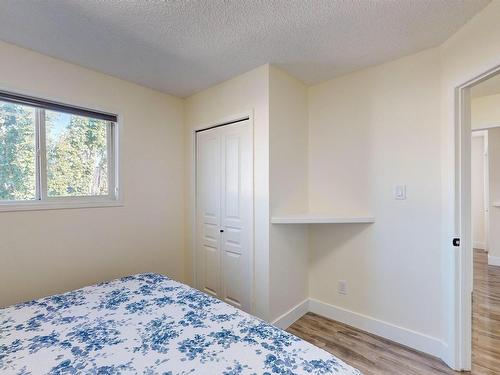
[(485, 317), (373, 355)]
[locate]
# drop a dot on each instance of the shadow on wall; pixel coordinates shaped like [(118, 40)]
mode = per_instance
[(332, 237)]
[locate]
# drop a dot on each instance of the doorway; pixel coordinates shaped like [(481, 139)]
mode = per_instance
[(478, 191), (224, 212)]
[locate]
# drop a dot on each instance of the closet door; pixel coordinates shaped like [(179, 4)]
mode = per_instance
[(236, 214), (208, 178), (224, 258)]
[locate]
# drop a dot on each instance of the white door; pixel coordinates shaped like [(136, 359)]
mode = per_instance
[(224, 222)]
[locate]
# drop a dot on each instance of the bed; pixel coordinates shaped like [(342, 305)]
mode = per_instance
[(149, 324)]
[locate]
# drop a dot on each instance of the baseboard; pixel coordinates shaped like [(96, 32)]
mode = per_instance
[(479, 245), (403, 336), (493, 261), (412, 339), (291, 316), (449, 357)]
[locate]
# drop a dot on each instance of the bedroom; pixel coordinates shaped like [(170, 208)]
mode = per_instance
[(344, 116)]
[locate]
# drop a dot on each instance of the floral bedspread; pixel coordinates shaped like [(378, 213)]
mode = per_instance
[(149, 324)]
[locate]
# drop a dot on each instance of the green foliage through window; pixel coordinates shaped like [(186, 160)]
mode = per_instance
[(17, 152), (76, 155), (74, 159)]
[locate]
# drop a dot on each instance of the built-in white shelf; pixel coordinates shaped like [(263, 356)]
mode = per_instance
[(496, 204), (312, 218)]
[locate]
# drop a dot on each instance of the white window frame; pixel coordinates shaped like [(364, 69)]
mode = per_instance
[(43, 202)]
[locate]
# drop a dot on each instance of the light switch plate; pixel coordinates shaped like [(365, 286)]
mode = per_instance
[(400, 192)]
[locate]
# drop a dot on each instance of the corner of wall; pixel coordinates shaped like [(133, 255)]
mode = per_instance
[(288, 191)]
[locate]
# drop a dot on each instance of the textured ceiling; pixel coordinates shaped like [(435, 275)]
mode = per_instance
[(181, 47)]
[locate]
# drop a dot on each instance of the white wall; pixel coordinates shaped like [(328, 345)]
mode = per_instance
[(288, 139), (247, 92), (478, 186), (494, 187), (47, 252), (369, 131), (485, 111)]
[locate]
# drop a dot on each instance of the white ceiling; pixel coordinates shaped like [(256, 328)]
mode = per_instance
[(181, 47)]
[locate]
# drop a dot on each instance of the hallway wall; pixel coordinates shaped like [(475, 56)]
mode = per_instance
[(478, 214)]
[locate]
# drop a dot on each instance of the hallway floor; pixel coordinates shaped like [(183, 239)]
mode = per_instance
[(485, 317)]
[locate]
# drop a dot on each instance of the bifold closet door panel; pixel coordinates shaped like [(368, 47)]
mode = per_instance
[(236, 214), (208, 168)]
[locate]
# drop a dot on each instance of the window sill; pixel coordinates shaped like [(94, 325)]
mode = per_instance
[(56, 205)]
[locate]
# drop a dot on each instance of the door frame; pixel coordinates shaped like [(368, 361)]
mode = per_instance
[(227, 120), (463, 216)]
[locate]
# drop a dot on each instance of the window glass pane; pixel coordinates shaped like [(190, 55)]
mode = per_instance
[(17, 152), (77, 155)]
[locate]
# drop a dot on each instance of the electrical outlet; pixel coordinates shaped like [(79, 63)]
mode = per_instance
[(342, 287)]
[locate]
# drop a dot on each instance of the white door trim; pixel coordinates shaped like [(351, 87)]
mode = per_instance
[(463, 222), (223, 121), (488, 125)]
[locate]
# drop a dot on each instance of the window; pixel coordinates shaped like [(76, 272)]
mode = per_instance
[(52, 154)]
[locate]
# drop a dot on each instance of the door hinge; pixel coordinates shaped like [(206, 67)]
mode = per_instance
[(456, 242)]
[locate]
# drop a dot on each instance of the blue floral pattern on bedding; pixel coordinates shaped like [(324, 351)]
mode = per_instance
[(149, 324)]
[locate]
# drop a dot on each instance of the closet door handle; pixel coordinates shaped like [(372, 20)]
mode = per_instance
[(221, 230)]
